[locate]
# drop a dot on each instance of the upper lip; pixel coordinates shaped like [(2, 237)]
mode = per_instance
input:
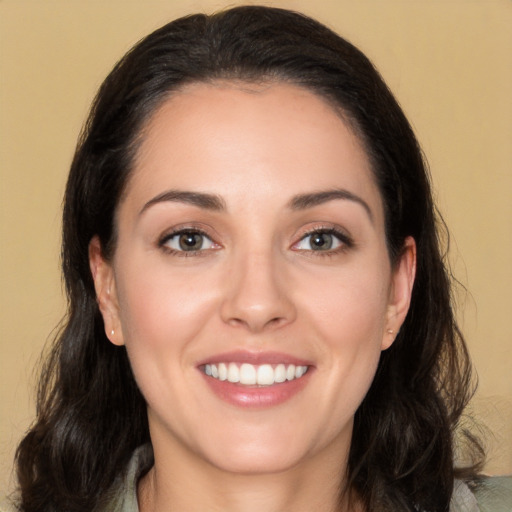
[(255, 358)]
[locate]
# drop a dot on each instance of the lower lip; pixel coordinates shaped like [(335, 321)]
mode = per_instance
[(257, 397)]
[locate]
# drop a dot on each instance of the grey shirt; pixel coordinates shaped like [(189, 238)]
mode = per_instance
[(493, 495)]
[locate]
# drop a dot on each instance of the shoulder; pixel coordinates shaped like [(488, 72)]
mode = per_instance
[(494, 494), (488, 494), (122, 497), (463, 499)]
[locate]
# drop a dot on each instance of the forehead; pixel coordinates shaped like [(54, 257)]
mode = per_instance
[(240, 139)]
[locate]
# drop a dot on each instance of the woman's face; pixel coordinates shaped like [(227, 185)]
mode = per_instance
[(251, 248)]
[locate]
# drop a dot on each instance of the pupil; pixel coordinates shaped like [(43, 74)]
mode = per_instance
[(190, 241), (321, 241)]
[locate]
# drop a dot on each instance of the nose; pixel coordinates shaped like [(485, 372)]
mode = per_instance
[(258, 297)]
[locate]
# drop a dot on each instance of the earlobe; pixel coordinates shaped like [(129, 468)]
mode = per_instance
[(106, 293), (403, 277)]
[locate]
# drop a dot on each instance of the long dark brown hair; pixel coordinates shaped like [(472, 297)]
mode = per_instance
[(90, 413)]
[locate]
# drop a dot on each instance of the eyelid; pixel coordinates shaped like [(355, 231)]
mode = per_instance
[(182, 229), (346, 240)]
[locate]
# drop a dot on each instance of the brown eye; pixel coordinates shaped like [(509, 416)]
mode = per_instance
[(320, 241), (190, 241)]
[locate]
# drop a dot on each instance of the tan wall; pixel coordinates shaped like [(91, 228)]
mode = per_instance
[(447, 61)]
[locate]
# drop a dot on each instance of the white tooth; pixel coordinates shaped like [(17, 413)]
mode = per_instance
[(265, 375), (290, 372), (207, 369), (233, 373), (247, 374), (280, 373), (300, 371), (223, 371), (215, 371)]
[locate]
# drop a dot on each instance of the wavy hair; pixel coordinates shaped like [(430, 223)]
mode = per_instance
[(90, 413)]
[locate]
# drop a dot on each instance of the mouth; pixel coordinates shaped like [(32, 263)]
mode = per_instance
[(247, 374), (256, 380)]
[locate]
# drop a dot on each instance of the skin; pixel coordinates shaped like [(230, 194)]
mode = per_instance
[(257, 285)]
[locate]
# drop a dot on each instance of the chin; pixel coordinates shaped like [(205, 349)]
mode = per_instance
[(256, 463)]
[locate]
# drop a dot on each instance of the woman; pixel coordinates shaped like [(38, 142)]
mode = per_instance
[(259, 315)]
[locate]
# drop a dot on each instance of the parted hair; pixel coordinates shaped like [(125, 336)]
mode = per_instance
[(90, 413)]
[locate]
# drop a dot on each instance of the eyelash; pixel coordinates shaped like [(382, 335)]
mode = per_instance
[(182, 253), (345, 241)]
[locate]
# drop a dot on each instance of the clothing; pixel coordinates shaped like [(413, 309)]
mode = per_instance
[(124, 497), (493, 494)]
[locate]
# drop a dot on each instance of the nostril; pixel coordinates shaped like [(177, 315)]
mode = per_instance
[(255, 299), (276, 321), (254, 325)]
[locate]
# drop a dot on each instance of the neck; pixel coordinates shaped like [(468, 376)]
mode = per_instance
[(313, 485)]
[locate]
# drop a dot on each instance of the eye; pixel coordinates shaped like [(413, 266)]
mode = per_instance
[(322, 240), (187, 241)]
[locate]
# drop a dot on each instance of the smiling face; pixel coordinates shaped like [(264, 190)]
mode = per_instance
[(251, 247)]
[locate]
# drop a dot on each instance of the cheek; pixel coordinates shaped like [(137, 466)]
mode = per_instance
[(348, 315), (350, 330), (163, 310), (162, 315), (348, 308)]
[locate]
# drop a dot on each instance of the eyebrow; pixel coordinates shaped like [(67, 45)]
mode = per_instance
[(216, 203), (304, 201), (199, 199)]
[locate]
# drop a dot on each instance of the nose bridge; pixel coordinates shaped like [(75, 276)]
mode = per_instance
[(256, 296)]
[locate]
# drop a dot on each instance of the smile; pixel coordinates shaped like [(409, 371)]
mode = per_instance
[(255, 375)]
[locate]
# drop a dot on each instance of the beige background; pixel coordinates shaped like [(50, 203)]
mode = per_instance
[(449, 63)]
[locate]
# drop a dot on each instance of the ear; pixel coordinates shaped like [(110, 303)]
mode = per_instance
[(402, 283), (106, 294)]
